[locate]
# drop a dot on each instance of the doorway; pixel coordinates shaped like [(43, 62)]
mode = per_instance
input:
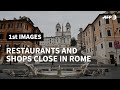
[(119, 58), (112, 59)]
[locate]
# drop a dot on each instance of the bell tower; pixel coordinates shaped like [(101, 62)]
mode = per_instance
[(68, 27), (58, 29)]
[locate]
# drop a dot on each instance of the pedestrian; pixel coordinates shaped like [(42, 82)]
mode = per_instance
[(52, 64), (115, 63)]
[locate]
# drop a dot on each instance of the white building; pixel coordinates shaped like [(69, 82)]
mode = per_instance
[(61, 39)]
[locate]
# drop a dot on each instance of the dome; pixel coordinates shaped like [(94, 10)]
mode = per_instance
[(58, 25), (68, 24)]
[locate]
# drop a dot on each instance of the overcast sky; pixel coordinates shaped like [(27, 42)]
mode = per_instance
[(47, 20)]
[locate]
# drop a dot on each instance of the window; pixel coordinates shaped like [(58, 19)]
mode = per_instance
[(119, 58), (101, 45), (0, 47), (57, 30), (21, 25), (94, 28), (26, 27), (1, 36), (2, 26), (90, 49), (86, 33), (50, 40), (108, 32), (119, 31), (107, 21), (95, 38), (100, 35), (118, 20), (10, 26), (110, 44), (99, 23)]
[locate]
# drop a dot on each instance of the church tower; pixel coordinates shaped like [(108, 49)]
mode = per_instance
[(58, 29), (68, 33), (68, 27), (63, 38)]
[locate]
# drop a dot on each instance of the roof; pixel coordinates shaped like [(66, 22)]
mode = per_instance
[(103, 15), (87, 27), (49, 37), (68, 24), (20, 19)]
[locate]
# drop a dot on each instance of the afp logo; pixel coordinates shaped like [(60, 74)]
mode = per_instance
[(113, 17)]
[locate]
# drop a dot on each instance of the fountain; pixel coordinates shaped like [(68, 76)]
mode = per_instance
[(59, 72), (31, 68)]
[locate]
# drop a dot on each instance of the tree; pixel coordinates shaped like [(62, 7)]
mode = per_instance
[(73, 41)]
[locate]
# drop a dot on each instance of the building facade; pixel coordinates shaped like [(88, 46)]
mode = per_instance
[(21, 25), (102, 37), (80, 39), (62, 37)]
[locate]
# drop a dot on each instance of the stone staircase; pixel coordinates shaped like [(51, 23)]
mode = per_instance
[(94, 59), (67, 64), (68, 55)]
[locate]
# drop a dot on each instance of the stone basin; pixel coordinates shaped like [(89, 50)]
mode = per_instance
[(64, 73)]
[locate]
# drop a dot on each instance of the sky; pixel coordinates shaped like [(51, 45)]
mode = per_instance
[(47, 20)]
